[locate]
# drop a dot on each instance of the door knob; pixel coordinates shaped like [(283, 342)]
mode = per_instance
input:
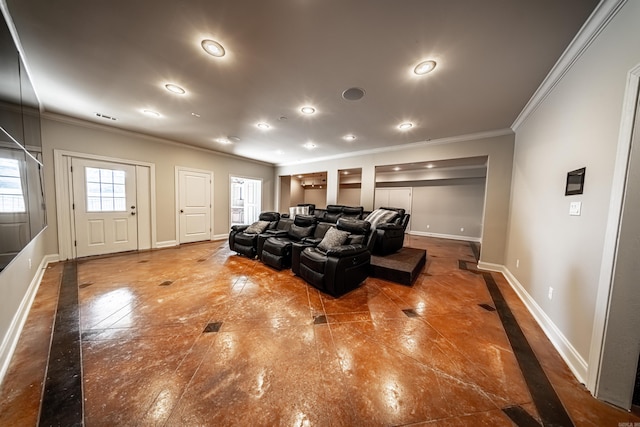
[(181, 211), (133, 213), (133, 207)]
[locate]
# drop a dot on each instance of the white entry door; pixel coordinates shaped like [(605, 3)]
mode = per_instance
[(104, 207), (194, 205)]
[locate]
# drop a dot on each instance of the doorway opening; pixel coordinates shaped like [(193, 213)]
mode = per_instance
[(246, 200)]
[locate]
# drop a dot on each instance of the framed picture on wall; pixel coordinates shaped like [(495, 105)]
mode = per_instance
[(575, 182)]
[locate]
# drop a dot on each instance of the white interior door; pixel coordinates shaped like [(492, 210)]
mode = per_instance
[(399, 197), (104, 207), (194, 205)]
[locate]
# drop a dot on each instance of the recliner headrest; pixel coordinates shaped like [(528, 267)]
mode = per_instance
[(334, 208), (269, 216), (352, 211), (353, 226), (400, 211), (304, 220)]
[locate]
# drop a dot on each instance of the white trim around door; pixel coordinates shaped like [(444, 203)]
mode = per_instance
[(181, 170), (146, 200)]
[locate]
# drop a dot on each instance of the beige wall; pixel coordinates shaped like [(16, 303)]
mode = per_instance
[(499, 150), (82, 137), (349, 196), (576, 126)]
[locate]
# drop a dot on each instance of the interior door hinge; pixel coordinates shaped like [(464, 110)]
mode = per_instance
[(75, 243), (71, 169), (73, 206)]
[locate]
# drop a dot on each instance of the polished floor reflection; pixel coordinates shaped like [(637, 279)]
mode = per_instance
[(199, 336)]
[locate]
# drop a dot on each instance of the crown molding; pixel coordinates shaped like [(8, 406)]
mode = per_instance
[(419, 144), (61, 118), (600, 17)]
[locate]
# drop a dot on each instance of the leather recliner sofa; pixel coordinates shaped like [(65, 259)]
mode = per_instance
[(338, 269), (275, 250), (243, 239), (389, 232)]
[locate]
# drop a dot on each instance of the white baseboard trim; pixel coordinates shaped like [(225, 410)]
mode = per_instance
[(572, 358), (217, 237), (10, 342), (445, 236), (166, 244)]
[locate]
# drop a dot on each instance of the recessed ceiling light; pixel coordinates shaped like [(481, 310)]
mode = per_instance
[(405, 126), (213, 48), (349, 137), (430, 165), (309, 145), (195, 115), (345, 172), (224, 141), (263, 126), (424, 67), (308, 110), (151, 113), (300, 176), (175, 89), (397, 168)]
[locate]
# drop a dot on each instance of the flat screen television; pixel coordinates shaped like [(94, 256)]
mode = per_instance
[(22, 203)]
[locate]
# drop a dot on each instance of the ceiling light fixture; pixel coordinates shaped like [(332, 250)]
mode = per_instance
[(213, 48), (263, 126), (224, 141), (175, 89), (309, 145), (308, 110), (405, 126), (430, 166), (196, 115), (397, 168), (151, 113), (349, 137), (424, 67)]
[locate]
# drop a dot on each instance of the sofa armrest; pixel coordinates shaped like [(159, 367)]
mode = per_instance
[(389, 226), (239, 228), (276, 233), (346, 250)]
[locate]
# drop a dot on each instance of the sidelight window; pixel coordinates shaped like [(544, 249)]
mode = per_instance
[(11, 191)]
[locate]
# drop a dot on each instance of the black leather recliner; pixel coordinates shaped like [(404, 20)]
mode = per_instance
[(389, 235), (244, 242), (307, 242), (276, 250), (339, 269)]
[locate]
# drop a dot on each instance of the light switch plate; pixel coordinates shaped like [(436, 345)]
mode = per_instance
[(575, 208)]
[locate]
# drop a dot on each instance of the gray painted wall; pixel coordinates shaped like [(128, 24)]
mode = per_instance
[(446, 207), (576, 125)]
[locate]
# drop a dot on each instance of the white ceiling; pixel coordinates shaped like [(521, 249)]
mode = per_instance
[(114, 58)]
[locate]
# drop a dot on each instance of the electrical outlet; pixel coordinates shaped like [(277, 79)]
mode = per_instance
[(517, 263), (550, 292)]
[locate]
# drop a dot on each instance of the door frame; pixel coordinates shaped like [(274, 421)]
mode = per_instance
[(234, 175), (609, 254), (64, 200), (177, 199)]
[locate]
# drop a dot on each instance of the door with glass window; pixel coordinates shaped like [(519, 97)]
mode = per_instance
[(104, 207)]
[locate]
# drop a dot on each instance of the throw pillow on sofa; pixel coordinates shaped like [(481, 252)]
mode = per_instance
[(333, 238), (380, 216), (257, 227)]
